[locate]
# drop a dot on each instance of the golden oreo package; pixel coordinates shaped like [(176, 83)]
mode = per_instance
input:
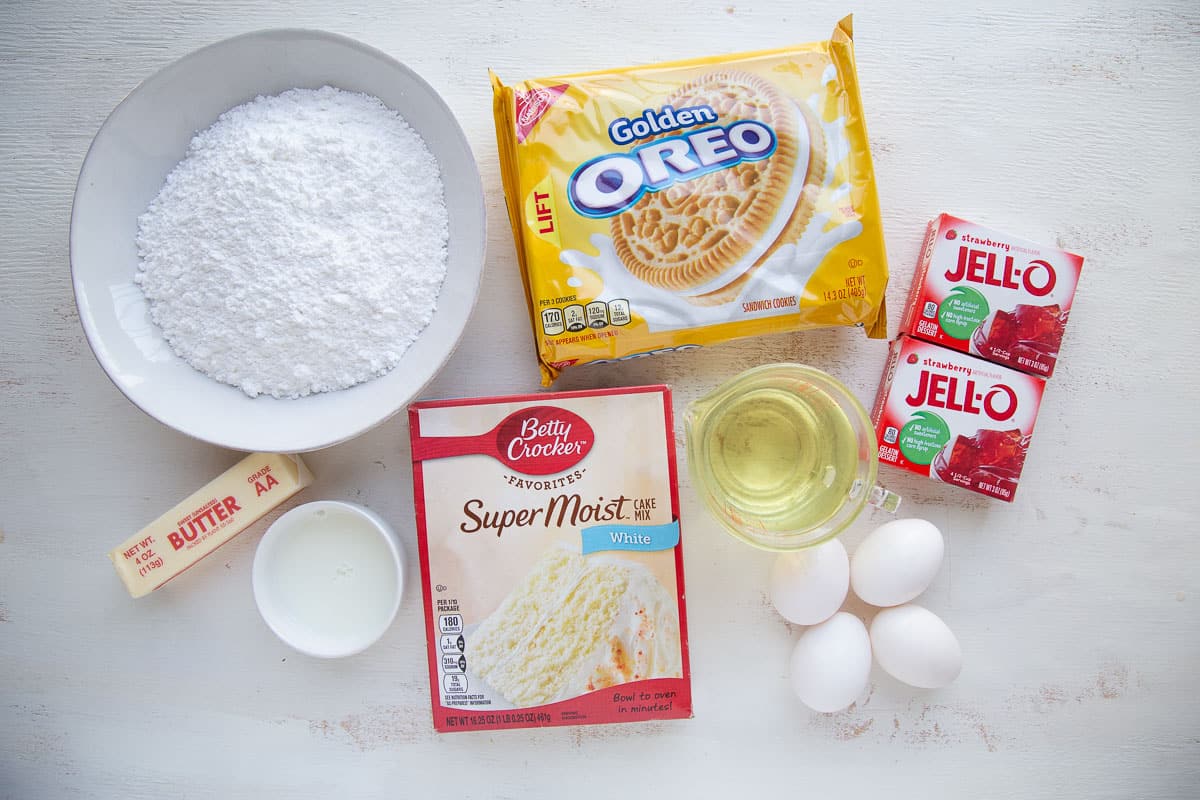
[(672, 206)]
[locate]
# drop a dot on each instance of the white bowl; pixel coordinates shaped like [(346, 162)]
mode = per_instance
[(328, 577), (142, 141)]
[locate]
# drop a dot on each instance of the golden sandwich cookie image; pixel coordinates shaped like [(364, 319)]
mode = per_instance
[(576, 624), (703, 238)]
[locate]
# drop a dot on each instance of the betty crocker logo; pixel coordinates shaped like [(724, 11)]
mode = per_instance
[(544, 440), (537, 440)]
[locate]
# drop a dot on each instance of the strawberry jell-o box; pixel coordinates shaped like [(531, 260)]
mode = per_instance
[(998, 297), (955, 418)]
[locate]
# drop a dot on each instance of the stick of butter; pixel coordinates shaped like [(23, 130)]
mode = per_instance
[(207, 519)]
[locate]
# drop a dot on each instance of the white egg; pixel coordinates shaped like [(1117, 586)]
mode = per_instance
[(897, 562), (914, 646), (831, 663), (808, 586)]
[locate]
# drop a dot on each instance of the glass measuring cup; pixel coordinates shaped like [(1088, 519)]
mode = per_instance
[(784, 456)]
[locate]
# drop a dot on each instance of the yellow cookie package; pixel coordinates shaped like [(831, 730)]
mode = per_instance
[(676, 205)]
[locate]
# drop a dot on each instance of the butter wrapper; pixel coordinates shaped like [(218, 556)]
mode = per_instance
[(207, 519)]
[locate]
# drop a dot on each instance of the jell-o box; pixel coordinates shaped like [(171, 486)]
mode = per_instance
[(955, 418), (992, 295)]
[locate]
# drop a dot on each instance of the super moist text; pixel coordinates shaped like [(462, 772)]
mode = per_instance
[(565, 509)]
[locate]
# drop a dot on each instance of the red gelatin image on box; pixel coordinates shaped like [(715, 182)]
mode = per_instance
[(955, 418), (992, 458), (980, 291), (1029, 334)]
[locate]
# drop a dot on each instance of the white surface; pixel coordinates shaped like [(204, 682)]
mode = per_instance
[(143, 140), (328, 577), (1076, 606)]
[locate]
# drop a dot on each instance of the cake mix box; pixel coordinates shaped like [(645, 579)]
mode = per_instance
[(995, 296), (955, 418), (665, 207), (551, 562)]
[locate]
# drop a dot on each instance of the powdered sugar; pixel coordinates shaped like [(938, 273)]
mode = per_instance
[(299, 247)]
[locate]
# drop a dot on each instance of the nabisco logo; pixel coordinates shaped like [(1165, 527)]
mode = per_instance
[(543, 440), (937, 390), (531, 105)]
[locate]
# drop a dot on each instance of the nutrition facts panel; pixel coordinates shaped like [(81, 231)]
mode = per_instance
[(452, 663), (595, 315)]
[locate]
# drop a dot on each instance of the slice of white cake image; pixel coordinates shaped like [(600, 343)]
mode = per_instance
[(575, 624)]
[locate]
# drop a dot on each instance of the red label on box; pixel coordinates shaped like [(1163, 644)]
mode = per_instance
[(955, 418), (995, 296)]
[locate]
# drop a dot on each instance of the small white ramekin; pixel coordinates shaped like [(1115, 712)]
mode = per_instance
[(290, 626)]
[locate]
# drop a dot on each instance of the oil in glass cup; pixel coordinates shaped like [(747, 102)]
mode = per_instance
[(784, 456)]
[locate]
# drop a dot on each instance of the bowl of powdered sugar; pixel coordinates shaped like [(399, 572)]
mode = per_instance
[(277, 240)]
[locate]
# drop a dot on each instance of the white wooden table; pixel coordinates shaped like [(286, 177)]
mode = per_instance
[(1076, 606)]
